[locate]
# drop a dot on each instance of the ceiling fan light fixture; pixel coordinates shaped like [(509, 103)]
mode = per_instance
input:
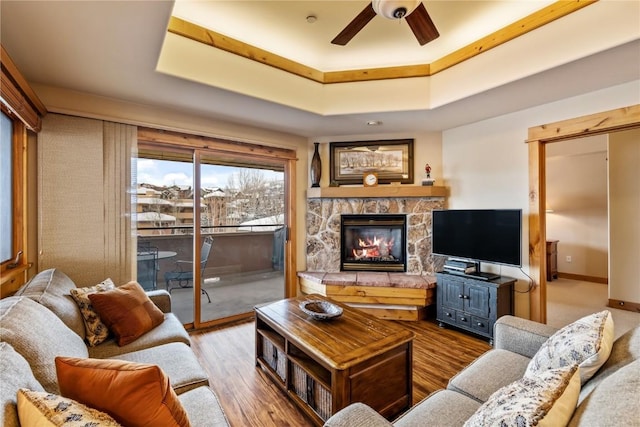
[(394, 9)]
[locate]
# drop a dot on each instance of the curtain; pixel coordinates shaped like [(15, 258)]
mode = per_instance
[(84, 198)]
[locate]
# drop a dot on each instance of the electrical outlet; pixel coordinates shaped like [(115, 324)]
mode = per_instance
[(568, 258)]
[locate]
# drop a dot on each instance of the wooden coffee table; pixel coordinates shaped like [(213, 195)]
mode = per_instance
[(324, 365)]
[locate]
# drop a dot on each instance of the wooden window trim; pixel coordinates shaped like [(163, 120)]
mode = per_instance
[(25, 109), (175, 143), (12, 274), (18, 96)]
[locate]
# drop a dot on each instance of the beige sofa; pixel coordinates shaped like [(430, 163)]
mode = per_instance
[(43, 321), (609, 398)]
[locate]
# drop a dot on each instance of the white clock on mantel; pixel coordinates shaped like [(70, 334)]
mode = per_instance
[(370, 179)]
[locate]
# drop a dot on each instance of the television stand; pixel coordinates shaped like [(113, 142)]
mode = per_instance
[(473, 303)]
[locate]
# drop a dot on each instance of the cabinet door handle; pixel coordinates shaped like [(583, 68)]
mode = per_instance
[(480, 324), (463, 319), (460, 296), (448, 314)]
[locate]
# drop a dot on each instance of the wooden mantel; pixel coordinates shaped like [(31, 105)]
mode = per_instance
[(381, 191)]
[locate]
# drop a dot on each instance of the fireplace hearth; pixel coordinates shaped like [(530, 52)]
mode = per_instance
[(373, 242)]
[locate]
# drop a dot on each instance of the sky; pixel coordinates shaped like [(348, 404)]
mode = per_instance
[(167, 173)]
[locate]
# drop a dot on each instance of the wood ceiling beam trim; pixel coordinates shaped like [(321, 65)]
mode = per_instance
[(400, 72), (220, 41), (529, 23)]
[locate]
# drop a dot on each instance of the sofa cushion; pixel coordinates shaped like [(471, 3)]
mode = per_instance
[(587, 342), (545, 399), (170, 330), (39, 408), (45, 337), (161, 298), (203, 408), (519, 335), (52, 288), (357, 415), (443, 407), (15, 373), (615, 402), (489, 372), (127, 311), (95, 330), (134, 394), (176, 360)]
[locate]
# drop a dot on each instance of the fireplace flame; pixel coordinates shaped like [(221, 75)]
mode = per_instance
[(373, 248)]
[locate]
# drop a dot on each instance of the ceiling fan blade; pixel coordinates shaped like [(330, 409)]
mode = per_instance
[(355, 26), (422, 25)]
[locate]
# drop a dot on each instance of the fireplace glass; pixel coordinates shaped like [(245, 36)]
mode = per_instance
[(373, 242)]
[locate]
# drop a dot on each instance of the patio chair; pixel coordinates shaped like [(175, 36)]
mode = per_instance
[(147, 267), (182, 276), (279, 237)]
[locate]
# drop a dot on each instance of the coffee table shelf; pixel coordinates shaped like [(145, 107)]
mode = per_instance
[(323, 366)]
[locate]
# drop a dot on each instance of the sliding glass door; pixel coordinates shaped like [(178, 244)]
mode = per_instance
[(243, 214), (211, 230)]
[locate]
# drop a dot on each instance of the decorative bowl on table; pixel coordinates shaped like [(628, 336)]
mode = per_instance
[(320, 310)]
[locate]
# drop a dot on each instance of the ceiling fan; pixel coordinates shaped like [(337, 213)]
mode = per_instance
[(412, 10)]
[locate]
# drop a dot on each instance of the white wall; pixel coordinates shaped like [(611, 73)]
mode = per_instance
[(485, 164), (576, 172), (624, 211)]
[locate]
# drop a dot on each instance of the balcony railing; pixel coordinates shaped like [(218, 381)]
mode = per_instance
[(236, 249)]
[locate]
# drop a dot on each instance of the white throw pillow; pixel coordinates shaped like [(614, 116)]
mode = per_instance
[(548, 399), (587, 342)]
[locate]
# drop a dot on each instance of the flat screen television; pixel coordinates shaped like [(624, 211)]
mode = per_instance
[(482, 235)]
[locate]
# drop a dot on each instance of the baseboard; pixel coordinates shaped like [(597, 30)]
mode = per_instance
[(593, 279), (624, 305)]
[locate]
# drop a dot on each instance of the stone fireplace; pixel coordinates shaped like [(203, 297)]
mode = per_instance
[(323, 225), (373, 242)]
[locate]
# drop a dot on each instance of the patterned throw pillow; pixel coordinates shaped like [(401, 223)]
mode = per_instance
[(586, 341), (96, 331), (546, 399), (127, 311), (39, 408)]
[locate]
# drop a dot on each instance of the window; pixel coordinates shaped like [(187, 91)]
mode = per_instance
[(6, 193), (20, 110), (11, 188)]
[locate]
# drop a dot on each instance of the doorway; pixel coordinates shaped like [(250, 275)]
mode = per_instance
[(538, 138)]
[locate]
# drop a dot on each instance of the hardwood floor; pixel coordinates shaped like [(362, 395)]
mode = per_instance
[(249, 398)]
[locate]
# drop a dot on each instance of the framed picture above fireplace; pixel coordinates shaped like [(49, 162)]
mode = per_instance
[(392, 160)]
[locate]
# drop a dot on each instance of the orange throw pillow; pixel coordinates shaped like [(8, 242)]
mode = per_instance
[(134, 394), (127, 311)]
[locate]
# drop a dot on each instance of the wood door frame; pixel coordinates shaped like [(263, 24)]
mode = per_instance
[(538, 137), (286, 158)]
